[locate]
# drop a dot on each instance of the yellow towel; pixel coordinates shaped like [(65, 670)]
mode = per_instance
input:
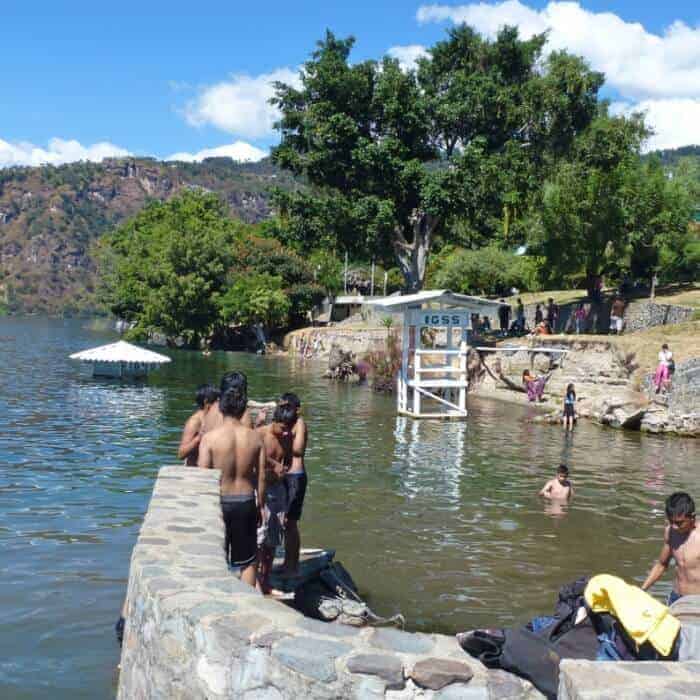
[(643, 618)]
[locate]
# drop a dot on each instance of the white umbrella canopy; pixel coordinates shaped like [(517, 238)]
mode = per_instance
[(120, 359)]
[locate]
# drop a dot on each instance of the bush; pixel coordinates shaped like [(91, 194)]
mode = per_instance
[(385, 364), (255, 298), (487, 271)]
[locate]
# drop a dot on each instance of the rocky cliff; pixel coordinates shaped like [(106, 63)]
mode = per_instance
[(50, 216)]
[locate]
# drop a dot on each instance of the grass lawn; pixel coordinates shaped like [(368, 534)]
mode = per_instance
[(688, 295)]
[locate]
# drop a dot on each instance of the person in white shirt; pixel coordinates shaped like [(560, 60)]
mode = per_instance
[(664, 369)]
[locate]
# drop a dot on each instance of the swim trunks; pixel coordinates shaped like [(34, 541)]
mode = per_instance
[(568, 410), (271, 532), (240, 523), (296, 490)]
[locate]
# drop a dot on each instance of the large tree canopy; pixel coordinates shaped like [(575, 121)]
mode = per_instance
[(393, 156), (605, 210)]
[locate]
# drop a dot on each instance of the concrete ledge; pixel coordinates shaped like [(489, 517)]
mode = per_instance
[(194, 631)]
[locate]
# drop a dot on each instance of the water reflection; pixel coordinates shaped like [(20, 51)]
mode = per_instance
[(439, 520)]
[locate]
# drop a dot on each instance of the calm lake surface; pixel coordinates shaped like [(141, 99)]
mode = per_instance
[(439, 521)]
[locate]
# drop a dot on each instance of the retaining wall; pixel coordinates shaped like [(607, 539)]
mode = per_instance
[(193, 630)]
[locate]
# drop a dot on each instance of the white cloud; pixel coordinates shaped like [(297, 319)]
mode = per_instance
[(240, 151), (675, 121), (407, 56), (639, 64), (58, 151), (240, 105), (655, 73)]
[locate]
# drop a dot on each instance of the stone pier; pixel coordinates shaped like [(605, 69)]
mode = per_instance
[(193, 630)]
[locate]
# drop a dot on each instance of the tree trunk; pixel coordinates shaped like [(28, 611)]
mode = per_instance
[(413, 257)]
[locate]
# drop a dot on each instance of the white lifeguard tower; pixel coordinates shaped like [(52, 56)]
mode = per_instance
[(436, 327)]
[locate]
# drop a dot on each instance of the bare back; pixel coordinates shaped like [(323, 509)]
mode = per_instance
[(238, 452)]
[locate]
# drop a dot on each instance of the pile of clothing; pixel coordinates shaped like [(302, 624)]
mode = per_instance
[(600, 619)]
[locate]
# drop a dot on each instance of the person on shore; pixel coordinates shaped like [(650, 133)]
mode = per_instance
[(239, 453), (579, 318), (485, 324), (559, 488), (534, 386), (570, 407), (296, 481), (214, 417), (682, 544), (617, 312), (206, 396), (665, 368), (520, 315), (552, 314), (539, 317), (277, 439), (504, 316), (542, 328)]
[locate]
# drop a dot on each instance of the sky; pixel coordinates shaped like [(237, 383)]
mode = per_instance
[(87, 80)]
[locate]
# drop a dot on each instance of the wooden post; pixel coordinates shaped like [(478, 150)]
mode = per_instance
[(371, 284), (345, 274), (386, 277), (463, 376), (417, 378)]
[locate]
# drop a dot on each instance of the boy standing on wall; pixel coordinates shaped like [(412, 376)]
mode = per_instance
[(239, 452)]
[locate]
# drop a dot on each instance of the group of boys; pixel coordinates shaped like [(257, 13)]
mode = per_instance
[(263, 479)]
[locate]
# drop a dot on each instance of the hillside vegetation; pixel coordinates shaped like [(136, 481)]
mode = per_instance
[(51, 216)]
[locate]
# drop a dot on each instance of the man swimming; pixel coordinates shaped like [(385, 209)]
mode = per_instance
[(206, 396), (296, 481), (214, 417), (682, 544), (277, 440), (239, 452)]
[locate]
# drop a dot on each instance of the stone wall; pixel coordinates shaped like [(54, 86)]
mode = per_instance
[(639, 314), (317, 342), (193, 630)]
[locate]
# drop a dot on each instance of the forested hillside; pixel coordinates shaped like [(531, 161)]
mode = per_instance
[(50, 217)]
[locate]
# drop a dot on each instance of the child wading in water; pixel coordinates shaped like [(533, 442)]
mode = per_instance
[(570, 407), (559, 488)]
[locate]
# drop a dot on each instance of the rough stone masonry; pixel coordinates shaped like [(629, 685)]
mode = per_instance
[(193, 630)]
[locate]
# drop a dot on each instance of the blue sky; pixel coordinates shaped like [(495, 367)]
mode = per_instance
[(86, 79)]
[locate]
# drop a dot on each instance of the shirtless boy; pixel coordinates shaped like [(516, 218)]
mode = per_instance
[(277, 439), (239, 452), (296, 485), (682, 544), (559, 488), (206, 396), (214, 417)]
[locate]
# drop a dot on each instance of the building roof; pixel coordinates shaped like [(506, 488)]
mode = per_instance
[(435, 296), (120, 351)]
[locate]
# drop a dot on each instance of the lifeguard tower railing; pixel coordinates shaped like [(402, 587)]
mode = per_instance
[(432, 380)]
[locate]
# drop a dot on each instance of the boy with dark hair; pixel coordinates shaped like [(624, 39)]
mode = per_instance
[(682, 544), (206, 396), (296, 481), (559, 488), (277, 439), (214, 418), (239, 452)]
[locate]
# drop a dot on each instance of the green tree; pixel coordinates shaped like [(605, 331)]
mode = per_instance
[(584, 218), (164, 268), (392, 156), (255, 298)]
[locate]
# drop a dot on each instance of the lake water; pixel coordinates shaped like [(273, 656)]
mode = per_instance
[(439, 521)]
